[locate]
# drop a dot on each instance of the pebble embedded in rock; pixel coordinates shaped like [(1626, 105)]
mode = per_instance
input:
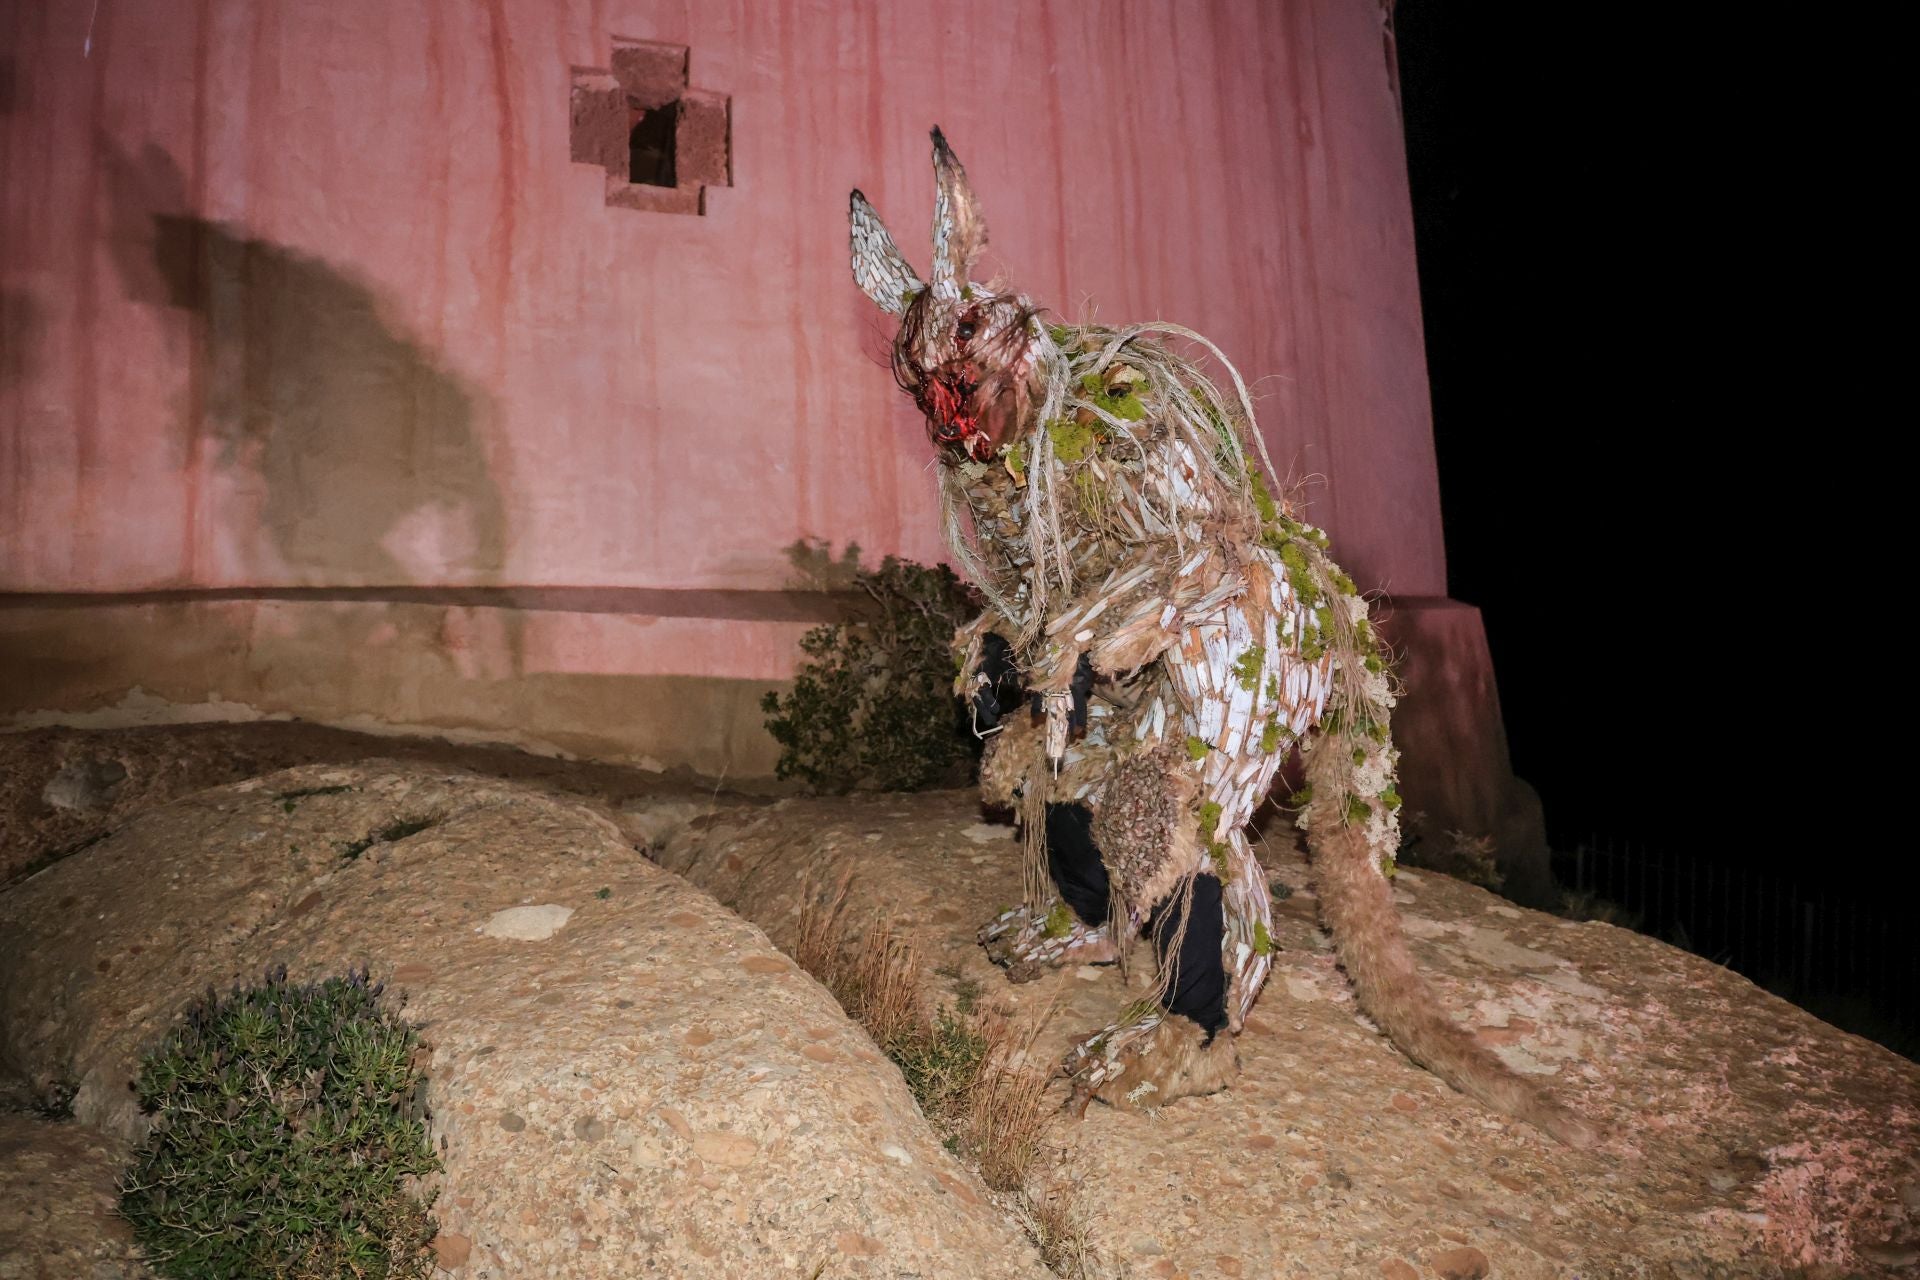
[(1464, 1263), (859, 1246), (527, 924), (729, 1150), (451, 1250), (85, 786)]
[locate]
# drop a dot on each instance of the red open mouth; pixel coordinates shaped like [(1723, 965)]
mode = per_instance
[(948, 404)]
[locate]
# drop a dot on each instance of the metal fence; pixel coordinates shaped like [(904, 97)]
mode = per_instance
[(1854, 963)]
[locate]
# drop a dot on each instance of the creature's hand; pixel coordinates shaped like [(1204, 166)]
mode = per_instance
[(1145, 1061), (997, 686), (1081, 687)]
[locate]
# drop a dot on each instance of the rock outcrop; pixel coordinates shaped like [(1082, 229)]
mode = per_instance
[(61, 789), (1746, 1138), (57, 1198), (625, 1079), (630, 1080)]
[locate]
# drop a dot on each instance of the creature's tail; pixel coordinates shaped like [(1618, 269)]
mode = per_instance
[(1357, 903)]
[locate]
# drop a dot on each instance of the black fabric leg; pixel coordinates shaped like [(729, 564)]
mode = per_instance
[(1075, 863), (1198, 989)]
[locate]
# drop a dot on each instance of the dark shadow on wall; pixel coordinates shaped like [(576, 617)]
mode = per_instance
[(366, 448), (22, 324)]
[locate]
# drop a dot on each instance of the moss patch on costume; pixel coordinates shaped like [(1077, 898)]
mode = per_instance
[(1249, 667), (1197, 749), (1216, 849), (1122, 402), (1262, 498), (1072, 441), (1059, 921), (1262, 939)]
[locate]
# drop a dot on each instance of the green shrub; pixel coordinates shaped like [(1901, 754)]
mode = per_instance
[(286, 1127), (1451, 853), (873, 705)]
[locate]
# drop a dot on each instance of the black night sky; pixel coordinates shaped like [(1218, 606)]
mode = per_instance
[(1627, 232), (1659, 267)]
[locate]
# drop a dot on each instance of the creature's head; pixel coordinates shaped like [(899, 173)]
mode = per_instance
[(964, 350)]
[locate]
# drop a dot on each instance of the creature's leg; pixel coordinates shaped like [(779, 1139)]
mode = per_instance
[(1074, 862), (1159, 1052), (1027, 940), (1186, 942)]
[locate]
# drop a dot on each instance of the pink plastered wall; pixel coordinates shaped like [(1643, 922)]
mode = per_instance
[(311, 294)]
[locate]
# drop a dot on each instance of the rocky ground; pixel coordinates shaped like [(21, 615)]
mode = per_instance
[(629, 1077), (57, 1218), (63, 788)]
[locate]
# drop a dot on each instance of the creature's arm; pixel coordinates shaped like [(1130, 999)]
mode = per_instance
[(990, 680), (1140, 611)]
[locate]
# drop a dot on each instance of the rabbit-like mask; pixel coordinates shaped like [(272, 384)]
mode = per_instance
[(963, 351)]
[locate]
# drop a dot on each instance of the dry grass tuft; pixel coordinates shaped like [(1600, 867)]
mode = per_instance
[(883, 993), (1005, 1118), (1055, 1220), (971, 1068), (817, 950)]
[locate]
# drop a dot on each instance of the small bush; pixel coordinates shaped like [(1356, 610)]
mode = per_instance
[(1584, 904), (286, 1130), (873, 705), (1451, 853)]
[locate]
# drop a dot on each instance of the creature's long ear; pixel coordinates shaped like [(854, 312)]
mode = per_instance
[(959, 230), (878, 268)]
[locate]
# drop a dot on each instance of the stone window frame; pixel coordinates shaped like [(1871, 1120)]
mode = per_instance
[(648, 76)]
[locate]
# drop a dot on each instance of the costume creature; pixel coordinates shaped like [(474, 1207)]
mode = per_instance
[(1172, 631)]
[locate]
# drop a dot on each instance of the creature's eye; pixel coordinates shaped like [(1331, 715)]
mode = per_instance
[(964, 330)]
